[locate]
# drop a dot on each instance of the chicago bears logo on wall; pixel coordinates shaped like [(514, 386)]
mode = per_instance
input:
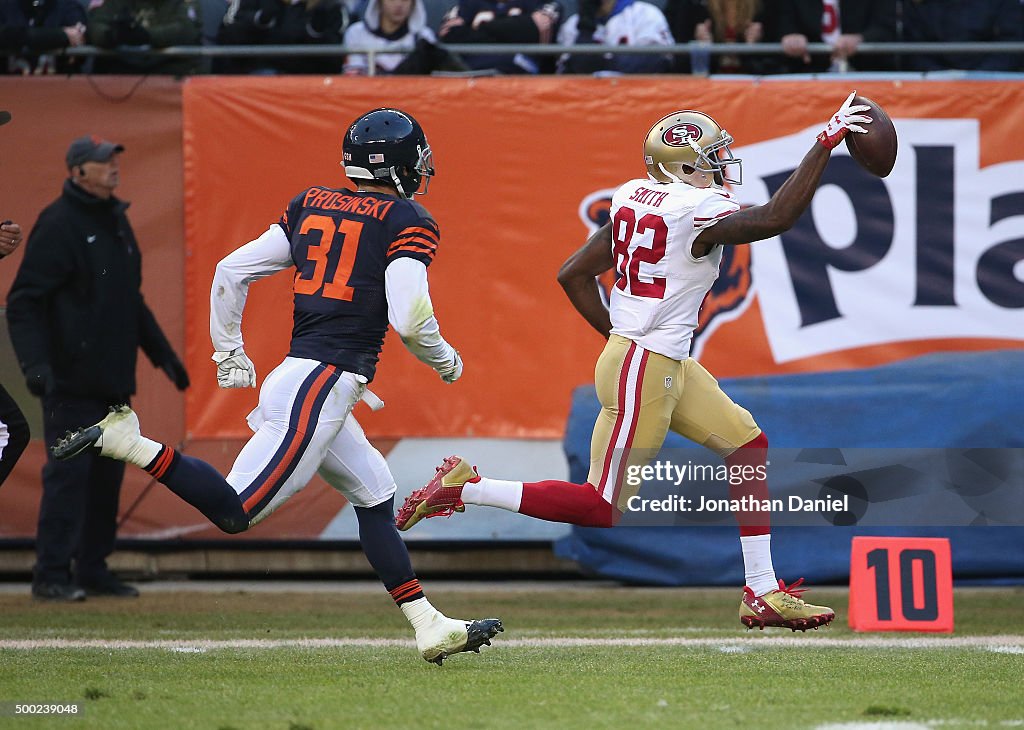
[(728, 296), (679, 135)]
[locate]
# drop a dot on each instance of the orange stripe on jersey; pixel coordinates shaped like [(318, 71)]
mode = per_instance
[(412, 249), (420, 243), (405, 242), (413, 230), (401, 237)]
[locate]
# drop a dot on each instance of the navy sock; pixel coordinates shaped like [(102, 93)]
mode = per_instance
[(201, 486), (386, 552)]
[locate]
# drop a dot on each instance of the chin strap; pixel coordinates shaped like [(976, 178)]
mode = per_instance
[(661, 166), (397, 182)]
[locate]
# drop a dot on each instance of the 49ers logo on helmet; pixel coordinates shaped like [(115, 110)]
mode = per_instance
[(679, 135)]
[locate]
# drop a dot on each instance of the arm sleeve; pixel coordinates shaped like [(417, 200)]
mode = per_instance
[(46, 39), (411, 313), (151, 338), (257, 259), (101, 24), (356, 36), (651, 28), (180, 27)]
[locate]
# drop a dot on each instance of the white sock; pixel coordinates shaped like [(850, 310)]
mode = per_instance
[(419, 612), (757, 564), (142, 452), (494, 493)]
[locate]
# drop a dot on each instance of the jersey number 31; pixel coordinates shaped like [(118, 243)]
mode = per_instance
[(320, 253)]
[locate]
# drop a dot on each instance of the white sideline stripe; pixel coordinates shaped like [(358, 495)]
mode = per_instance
[(1006, 644)]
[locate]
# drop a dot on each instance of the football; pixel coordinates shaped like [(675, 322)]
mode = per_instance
[(876, 150)]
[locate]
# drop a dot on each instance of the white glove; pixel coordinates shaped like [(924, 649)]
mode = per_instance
[(847, 119), (452, 371), (235, 369)]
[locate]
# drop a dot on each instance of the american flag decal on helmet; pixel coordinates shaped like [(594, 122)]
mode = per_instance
[(376, 158)]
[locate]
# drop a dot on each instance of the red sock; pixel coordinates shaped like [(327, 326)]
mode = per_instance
[(577, 504), (753, 455)]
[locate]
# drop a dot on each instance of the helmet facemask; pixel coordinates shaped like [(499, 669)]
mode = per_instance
[(415, 181), (716, 158)]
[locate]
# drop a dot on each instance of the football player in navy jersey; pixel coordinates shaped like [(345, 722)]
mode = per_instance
[(360, 258)]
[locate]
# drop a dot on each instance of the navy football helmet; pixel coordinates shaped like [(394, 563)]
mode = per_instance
[(389, 146)]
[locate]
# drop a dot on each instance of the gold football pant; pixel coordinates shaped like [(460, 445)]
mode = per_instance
[(642, 395)]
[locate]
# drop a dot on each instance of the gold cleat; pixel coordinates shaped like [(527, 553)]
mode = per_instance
[(442, 496), (783, 608)]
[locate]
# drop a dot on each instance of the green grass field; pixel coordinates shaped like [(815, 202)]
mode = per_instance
[(602, 657)]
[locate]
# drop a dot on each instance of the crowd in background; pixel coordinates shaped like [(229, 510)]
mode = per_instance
[(34, 34)]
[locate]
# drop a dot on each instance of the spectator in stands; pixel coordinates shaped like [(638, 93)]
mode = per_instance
[(77, 319), (283, 22), (500, 21), (956, 21), (143, 24), (30, 30), (844, 25), (723, 21), (616, 23), (398, 27)]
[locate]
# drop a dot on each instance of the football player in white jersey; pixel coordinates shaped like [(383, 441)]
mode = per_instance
[(664, 239)]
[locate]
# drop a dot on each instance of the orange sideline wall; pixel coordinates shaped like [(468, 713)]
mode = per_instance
[(516, 159)]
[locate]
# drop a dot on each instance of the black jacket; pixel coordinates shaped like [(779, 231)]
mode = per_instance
[(873, 19), (31, 27), (75, 309)]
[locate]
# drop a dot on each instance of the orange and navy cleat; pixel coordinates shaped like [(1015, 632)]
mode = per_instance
[(442, 497), (783, 608)]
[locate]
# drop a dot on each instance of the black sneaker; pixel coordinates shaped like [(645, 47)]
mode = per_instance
[(57, 592), (108, 585)]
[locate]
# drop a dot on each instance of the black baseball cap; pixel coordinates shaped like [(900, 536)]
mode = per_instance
[(90, 148)]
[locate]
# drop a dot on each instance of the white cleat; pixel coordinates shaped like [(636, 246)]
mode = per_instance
[(116, 436), (446, 636)]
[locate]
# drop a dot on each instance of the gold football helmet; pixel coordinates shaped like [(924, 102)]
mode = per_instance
[(690, 139)]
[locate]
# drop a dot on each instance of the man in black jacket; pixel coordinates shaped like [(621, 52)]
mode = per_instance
[(77, 318)]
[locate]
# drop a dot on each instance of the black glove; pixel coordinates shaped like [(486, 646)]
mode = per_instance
[(269, 12), (39, 380), (176, 372), (128, 32)]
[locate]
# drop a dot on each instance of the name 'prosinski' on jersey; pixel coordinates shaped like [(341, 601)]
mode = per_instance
[(660, 285), (341, 242)]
